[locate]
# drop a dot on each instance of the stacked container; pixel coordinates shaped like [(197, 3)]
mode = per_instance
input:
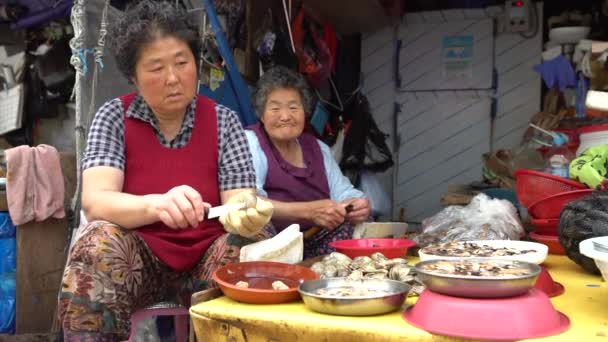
[(544, 196)]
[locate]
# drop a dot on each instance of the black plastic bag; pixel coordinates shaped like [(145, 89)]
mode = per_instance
[(581, 220), (365, 145)]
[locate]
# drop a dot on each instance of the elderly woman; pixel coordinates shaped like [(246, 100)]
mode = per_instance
[(155, 160), (295, 170)]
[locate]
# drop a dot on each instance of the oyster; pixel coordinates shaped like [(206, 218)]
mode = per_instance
[(399, 272), (397, 261), (341, 264), (369, 267), (355, 275), (382, 264), (330, 271), (340, 256), (318, 267), (379, 274), (360, 261), (343, 272), (379, 257)]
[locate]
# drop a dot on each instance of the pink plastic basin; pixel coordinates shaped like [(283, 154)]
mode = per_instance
[(527, 316)]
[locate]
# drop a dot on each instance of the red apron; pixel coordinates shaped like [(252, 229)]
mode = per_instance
[(151, 168)]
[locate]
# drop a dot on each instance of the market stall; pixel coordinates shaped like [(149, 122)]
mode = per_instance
[(431, 111), (224, 319)]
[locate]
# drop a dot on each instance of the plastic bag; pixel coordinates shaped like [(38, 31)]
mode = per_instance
[(379, 199), (483, 219), (314, 56), (147, 331), (7, 303), (8, 255), (7, 228), (581, 220), (590, 167)]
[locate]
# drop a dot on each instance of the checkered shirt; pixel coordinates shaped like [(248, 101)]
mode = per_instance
[(106, 140)]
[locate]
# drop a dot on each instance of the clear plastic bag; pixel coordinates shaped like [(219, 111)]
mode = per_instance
[(483, 219)]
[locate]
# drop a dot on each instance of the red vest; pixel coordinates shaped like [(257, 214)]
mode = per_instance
[(151, 168)]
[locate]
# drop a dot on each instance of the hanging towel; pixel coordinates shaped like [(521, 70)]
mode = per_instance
[(34, 184)]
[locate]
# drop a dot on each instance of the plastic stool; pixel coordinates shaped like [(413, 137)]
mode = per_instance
[(180, 313)]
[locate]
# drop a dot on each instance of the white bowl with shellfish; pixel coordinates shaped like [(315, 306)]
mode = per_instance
[(514, 250)]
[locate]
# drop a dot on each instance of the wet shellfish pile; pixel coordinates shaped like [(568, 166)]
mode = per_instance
[(376, 266)]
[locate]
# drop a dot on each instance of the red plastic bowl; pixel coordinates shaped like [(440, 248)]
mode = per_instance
[(533, 186), (260, 275), (545, 283), (527, 316), (391, 248), (546, 226), (551, 241), (551, 207)]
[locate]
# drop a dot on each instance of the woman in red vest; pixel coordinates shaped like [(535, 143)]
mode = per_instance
[(155, 160)]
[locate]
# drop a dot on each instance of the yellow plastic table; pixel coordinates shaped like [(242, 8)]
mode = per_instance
[(585, 302)]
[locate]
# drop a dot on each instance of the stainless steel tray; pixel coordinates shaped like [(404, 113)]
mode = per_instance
[(476, 286), (354, 306)]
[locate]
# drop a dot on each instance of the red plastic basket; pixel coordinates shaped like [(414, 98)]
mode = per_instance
[(532, 186), (551, 207), (546, 226), (550, 241)]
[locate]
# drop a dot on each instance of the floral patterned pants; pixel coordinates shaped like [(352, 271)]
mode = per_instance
[(319, 243), (111, 273)]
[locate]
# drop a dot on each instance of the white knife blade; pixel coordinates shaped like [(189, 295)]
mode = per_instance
[(223, 209)]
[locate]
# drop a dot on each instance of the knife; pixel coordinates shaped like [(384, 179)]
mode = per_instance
[(222, 209)]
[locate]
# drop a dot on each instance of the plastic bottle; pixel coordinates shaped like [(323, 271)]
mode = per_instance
[(559, 157)]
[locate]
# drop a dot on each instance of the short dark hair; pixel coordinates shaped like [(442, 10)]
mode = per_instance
[(145, 22), (281, 77)]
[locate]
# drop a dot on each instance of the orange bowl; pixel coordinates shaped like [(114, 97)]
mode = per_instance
[(551, 241), (260, 275)]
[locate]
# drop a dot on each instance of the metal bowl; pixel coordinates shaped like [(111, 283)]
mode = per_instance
[(479, 287), (354, 306)]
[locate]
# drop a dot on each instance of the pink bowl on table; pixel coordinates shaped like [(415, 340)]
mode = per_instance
[(514, 318), (391, 248)]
